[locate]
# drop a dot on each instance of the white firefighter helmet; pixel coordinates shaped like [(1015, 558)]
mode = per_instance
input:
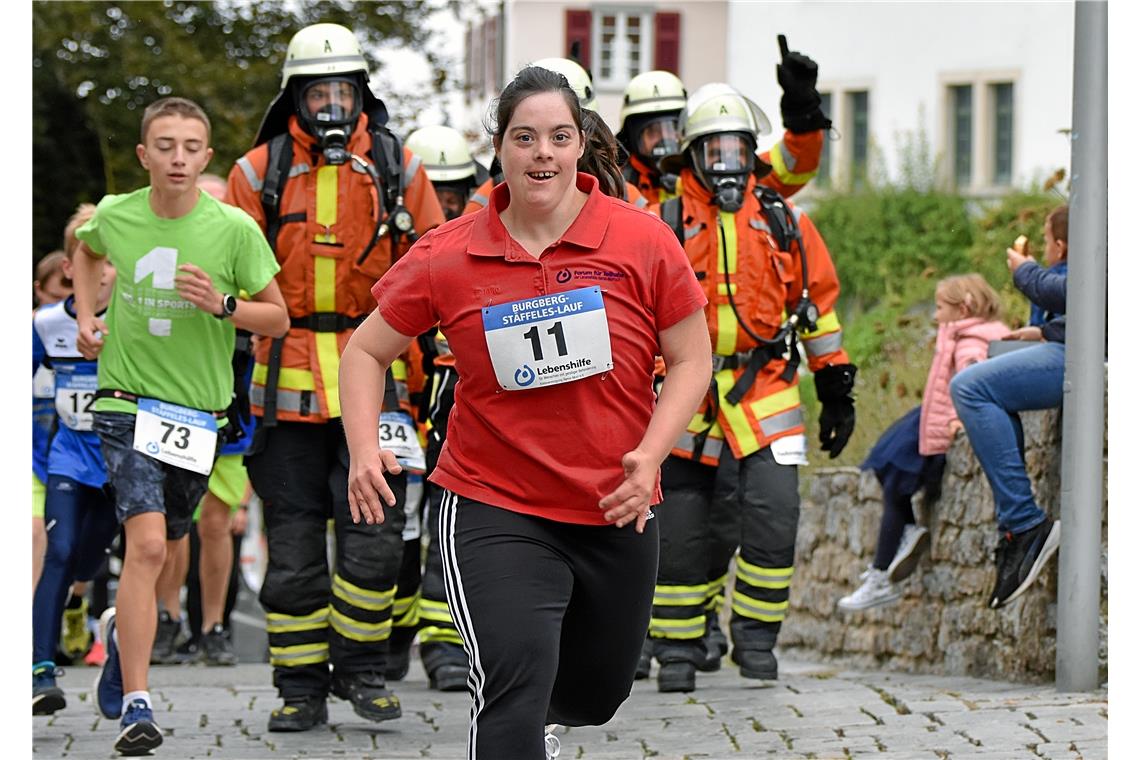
[(577, 76), (444, 152), (319, 50)]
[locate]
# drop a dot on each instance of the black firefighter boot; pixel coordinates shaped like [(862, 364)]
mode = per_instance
[(714, 643), (299, 714), (753, 642), (678, 664), (446, 665)]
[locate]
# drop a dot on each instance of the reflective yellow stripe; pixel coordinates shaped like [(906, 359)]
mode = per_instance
[(437, 611), (362, 598), (734, 414), (328, 352), (400, 370), (326, 202), (276, 622), (291, 379), (764, 577), (777, 402), (436, 635), (726, 324), (679, 596), (827, 323), (780, 167), (358, 630), (689, 628), (301, 654), (770, 612)]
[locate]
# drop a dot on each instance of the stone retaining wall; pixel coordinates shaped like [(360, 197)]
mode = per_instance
[(941, 624)]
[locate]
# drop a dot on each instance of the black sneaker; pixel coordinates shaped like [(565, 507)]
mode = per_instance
[(47, 698), (370, 699), (166, 635), (299, 714), (216, 647), (1020, 558)]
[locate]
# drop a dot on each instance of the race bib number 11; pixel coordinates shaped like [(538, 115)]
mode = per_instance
[(547, 340), (177, 435)]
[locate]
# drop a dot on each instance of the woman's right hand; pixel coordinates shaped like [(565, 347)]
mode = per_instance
[(367, 486)]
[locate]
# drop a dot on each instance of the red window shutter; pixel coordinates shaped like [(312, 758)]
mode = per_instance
[(667, 42), (578, 30)]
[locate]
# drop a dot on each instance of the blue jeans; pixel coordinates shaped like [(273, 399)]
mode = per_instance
[(988, 396)]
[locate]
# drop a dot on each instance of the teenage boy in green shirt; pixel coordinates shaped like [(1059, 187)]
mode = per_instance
[(164, 370)]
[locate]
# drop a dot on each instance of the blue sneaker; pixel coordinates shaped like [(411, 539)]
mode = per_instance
[(47, 698), (139, 734), (108, 688)]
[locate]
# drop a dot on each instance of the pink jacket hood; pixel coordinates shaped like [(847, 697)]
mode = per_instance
[(960, 344)]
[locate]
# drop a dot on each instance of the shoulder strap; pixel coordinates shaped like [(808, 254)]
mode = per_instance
[(671, 213), (276, 173), (388, 156), (781, 220)]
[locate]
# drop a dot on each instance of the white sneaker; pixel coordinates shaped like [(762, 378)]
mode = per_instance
[(553, 746), (915, 541), (877, 589)]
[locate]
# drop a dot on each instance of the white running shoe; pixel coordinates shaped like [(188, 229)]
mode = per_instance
[(553, 746), (876, 589), (914, 543)]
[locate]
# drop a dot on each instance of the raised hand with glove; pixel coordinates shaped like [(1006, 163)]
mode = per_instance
[(801, 104), (834, 384)]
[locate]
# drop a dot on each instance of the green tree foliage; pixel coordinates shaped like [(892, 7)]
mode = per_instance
[(97, 65)]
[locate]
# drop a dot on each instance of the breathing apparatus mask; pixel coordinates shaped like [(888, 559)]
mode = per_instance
[(722, 163), (328, 109), (655, 136)]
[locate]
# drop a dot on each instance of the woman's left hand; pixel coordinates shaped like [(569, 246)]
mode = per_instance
[(630, 500)]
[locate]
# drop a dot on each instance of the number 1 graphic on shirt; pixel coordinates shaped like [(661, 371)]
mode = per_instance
[(536, 340), (160, 263)]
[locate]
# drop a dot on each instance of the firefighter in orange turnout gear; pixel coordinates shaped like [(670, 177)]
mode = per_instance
[(732, 477), (648, 128), (324, 176)]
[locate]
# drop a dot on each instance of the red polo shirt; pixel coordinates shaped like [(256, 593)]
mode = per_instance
[(550, 451)]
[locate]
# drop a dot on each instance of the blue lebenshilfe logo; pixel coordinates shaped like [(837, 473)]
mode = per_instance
[(524, 375)]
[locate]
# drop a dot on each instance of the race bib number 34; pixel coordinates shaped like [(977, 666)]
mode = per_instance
[(176, 435), (547, 340)]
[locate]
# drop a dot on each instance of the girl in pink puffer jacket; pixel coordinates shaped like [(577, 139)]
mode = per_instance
[(911, 454)]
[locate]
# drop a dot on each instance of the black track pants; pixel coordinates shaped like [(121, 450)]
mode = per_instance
[(552, 615)]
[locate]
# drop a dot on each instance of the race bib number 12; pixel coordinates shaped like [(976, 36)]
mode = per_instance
[(547, 340), (176, 435)]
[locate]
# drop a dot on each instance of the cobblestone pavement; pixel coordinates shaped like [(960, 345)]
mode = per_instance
[(813, 711)]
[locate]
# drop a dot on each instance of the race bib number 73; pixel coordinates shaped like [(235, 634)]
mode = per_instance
[(177, 435), (550, 339)]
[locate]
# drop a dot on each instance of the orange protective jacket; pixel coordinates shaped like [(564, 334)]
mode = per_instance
[(794, 161), (766, 284), (328, 214)]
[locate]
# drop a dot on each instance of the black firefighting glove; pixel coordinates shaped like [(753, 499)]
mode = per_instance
[(800, 106), (833, 385)]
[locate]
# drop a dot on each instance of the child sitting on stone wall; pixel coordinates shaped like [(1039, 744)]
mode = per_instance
[(911, 453)]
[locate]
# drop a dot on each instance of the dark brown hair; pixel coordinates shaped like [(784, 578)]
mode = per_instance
[(187, 109), (532, 80), (600, 157)]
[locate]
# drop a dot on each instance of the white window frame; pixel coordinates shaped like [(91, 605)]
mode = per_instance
[(619, 76), (842, 151), (983, 127)]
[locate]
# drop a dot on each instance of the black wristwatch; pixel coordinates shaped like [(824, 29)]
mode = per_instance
[(229, 306)]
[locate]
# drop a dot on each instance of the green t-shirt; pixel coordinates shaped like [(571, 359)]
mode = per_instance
[(158, 344)]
